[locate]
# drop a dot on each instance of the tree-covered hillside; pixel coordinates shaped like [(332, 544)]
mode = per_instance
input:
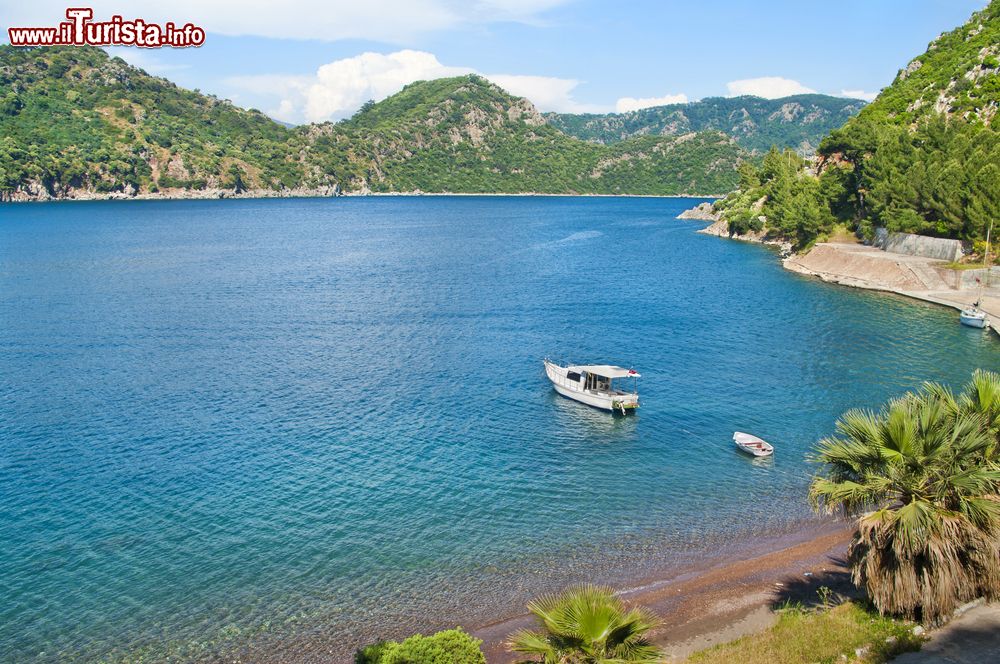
[(798, 122), (467, 135), (74, 121), (924, 157), (73, 118)]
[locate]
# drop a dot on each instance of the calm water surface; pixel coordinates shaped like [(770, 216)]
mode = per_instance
[(296, 425)]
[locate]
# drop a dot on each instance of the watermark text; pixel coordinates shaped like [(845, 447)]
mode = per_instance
[(80, 29)]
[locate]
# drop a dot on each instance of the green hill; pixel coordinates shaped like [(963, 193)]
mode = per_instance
[(924, 157), (467, 135), (73, 118), (75, 122), (798, 122)]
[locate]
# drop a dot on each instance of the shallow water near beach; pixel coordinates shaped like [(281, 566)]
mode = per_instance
[(294, 426)]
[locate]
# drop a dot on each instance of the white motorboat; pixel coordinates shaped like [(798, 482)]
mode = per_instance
[(973, 317), (752, 444), (597, 385)]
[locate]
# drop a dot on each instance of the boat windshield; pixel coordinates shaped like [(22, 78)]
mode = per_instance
[(615, 385), (597, 382)]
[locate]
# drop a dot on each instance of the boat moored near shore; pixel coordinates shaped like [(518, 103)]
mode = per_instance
[(973, 317), (752, 444), (595, 385)]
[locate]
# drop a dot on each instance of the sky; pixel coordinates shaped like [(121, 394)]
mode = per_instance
[(316, 60)]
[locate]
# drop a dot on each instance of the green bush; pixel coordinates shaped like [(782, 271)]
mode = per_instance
[(451, 646), (371, 654)]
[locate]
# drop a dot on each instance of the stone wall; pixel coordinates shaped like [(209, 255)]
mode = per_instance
[(918, 245)]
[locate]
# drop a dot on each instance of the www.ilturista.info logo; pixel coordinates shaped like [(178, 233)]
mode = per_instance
[(80, 30)]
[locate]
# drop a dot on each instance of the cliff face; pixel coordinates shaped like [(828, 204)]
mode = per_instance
[(75, 123), (955, 78)]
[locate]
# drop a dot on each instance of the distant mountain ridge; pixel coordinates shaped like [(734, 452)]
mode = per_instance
[(75, 122), (798, 122)]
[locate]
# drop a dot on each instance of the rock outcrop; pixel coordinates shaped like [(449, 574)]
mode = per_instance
[(701, 212)]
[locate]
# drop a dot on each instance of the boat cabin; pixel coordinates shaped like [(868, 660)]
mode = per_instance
[(599, 378)]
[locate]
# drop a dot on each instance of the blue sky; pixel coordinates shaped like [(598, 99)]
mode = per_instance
[(311, 60)]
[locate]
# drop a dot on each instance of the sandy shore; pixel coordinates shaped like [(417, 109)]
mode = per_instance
[(724, 598)]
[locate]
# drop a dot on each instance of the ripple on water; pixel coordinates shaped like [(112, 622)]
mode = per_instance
[(289, 426)]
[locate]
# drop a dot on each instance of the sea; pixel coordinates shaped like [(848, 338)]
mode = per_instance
[(280, 429)]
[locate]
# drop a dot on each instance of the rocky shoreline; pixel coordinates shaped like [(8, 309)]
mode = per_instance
[(38, 194), (720, 228)]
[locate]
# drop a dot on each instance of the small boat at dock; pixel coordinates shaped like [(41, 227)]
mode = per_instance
[(973, 316), (597, 385), (752, 444)]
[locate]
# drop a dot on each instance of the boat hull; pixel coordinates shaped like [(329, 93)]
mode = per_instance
[(977, 320), (614, 402), (751, 444)]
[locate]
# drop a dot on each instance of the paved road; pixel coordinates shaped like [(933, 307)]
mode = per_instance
[(973, 638)]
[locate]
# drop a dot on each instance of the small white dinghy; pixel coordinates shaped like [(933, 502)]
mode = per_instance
[(752, 444)]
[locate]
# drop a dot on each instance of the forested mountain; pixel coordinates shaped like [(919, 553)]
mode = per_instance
[(798, 122), (924, 157), (74, 121), (466, 134)]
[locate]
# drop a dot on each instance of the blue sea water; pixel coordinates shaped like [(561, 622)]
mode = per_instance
[(292, 426)]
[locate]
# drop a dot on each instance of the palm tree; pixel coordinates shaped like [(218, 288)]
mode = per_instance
[(922, 478), (587, 625), (982, 396)]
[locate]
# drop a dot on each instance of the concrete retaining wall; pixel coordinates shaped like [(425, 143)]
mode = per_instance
[(938, 248), (968, 278)]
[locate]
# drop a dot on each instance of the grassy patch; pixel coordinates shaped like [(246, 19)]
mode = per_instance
[(840, 234), (802, 636), (955, 265)]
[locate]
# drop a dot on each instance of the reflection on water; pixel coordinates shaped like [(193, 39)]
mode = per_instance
[(596, 423)]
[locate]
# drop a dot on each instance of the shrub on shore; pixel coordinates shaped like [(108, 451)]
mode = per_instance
[(825, 635), (586, 625), (922, 477), (452, 646)]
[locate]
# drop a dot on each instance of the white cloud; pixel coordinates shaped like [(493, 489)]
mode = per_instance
[(341, 87), (548, 93), (626, 104), (285, 112), (144, 59), (768, 87), (329, 20), (859, 94)]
